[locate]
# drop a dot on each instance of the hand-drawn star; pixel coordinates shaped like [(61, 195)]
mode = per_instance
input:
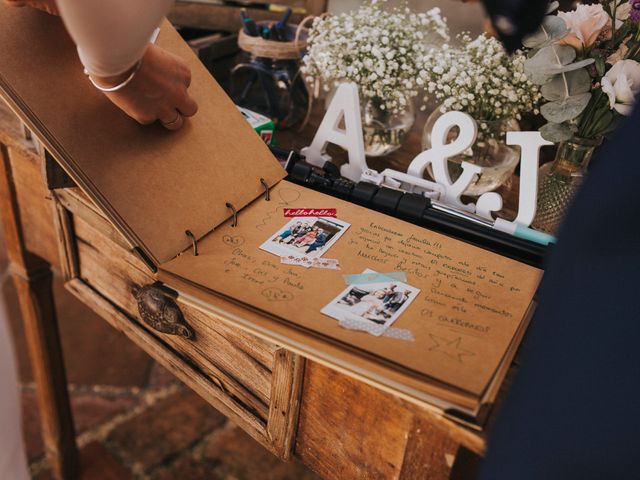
[(450, 348)]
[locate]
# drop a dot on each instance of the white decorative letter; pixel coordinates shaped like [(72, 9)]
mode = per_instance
[(441, 150), (345, 104), (530, 143)]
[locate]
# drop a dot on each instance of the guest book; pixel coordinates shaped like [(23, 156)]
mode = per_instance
[(198, 204)]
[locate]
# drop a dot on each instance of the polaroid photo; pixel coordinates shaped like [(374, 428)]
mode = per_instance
[(371, 307), (309, 237)]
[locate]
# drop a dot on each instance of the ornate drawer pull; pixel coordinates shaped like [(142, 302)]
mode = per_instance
[(160, 311)]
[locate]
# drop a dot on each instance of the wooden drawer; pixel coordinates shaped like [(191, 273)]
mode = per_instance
[(255, 383)]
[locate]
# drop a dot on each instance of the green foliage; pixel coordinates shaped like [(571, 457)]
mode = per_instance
[(553, 60), (566, 109), (562, 87), (556, 132), (600, 66), (553, 6), (566, 83), (553, 29)]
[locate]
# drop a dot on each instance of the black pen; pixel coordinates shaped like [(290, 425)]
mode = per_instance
[(286, 16)]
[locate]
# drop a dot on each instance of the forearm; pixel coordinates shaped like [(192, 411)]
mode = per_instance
[(111, 35)]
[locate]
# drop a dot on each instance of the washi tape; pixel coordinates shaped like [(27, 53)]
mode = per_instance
[(327, 263), (365, 278), (354, 323)]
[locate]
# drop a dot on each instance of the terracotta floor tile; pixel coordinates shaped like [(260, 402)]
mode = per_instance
[(234, 454), (160, 377), (165, 429), (89, 411), (94, 352), (97, 463)]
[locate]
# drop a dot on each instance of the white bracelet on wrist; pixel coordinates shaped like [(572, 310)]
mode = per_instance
[(121, 85)]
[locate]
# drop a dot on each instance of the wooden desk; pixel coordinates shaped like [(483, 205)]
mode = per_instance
[(338, 425)]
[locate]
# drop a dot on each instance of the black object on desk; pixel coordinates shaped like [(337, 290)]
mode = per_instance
[(410, 207), (250, 27), (280, 28)]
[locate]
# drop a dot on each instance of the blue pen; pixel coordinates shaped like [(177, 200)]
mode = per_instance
[(281, 26), (516, 230), (531, 235)]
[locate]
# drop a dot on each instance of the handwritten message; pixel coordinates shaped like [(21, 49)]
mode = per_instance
[(460, 296), (279, 282), (465, 289)]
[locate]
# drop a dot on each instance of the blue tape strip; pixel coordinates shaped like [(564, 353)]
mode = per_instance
[(365, 278)]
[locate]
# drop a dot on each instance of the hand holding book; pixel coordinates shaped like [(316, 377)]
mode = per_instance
[(146, 82), (158, 90)]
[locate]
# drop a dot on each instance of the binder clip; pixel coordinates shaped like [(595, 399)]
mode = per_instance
[(401, 181)]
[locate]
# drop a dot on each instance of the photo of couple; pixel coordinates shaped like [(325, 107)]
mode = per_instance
[(305, 236), (379, 304)]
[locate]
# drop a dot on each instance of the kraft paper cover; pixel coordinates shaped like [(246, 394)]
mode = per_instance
[(467, 313), (153, 184)]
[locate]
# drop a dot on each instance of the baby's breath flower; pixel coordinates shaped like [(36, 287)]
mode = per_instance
[(480, 79), (381, 49)]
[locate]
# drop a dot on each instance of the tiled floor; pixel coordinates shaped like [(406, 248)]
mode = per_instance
[(133, 418)]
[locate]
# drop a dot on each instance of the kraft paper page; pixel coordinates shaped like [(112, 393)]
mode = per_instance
[(152, 184), (470, 305)]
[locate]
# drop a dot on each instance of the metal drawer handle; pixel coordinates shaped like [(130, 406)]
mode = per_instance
[(160, 311)]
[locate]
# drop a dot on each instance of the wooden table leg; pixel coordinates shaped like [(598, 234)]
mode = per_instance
[(426, 452), (33, 279)]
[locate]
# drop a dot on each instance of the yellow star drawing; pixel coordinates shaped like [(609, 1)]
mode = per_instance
[(450, 348)]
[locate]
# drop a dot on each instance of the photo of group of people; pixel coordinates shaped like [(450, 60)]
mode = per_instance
[(380, 303), (305, 236)]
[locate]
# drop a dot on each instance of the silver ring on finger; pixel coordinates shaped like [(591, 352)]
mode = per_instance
[(172, 122)]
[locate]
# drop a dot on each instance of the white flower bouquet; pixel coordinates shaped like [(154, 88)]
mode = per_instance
[(380, 49), (480, 78), (586, 62)]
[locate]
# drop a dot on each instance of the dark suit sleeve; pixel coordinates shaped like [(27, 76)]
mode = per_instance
[(573, 410)]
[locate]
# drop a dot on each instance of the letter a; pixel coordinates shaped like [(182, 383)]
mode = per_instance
[(345, 104)]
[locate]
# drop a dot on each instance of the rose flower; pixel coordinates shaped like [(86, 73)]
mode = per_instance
[(585, 24)]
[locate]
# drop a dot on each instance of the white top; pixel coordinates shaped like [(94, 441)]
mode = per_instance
[(111, 35), (366, 303)]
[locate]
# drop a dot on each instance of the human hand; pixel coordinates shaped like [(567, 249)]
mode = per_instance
[(48, 6), (158, 90)]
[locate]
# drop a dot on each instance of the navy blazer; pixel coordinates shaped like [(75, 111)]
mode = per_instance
[(573, 410)]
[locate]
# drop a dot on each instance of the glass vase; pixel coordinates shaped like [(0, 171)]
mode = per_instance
[(562, 179), (274, 88), (384, 132), (497, 160)]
